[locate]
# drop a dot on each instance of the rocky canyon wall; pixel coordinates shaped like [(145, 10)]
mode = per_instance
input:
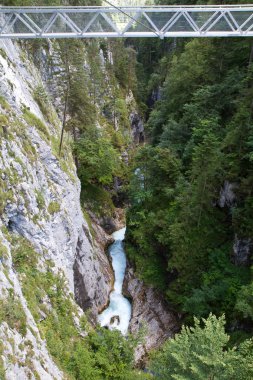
[(39, 202)]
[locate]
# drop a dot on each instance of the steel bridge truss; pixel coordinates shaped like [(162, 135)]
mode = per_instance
[(80, 22)]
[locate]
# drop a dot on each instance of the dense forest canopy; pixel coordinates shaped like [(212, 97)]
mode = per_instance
[(190, 225)]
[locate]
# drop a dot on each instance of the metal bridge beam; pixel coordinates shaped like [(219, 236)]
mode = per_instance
[(154, 21)]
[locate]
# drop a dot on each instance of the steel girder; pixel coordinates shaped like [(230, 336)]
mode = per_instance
[(86, 22)]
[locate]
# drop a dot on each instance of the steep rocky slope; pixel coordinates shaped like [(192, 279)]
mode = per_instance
[(52, 253), (39, 201), (151, 314)]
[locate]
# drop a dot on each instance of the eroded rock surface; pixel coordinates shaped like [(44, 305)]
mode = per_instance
[(93, 274), (137, 126), (149, 311), (40, 201), (242, 251), (243, 246), (227, 195)]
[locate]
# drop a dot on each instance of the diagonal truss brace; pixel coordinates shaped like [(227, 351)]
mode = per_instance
[(78, 22)]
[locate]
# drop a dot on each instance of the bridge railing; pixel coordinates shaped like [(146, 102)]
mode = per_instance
[(164, 21)]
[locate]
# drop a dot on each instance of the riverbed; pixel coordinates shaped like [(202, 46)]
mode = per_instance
[(118, 314)]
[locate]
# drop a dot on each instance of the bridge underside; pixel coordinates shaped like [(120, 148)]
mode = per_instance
[(88, 22)]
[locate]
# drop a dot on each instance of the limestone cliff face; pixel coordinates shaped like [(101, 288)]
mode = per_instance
[(40, 201), (149, 312)]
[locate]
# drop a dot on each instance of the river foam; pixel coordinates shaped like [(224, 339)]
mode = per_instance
[(118, 314)]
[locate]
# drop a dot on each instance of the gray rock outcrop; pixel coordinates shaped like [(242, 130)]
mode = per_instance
[(242, 251), (137, 126), (242, 247), (227, 195), (149, 312)]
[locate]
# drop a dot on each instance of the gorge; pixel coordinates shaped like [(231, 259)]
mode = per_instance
[(158, 137), (52, 245)]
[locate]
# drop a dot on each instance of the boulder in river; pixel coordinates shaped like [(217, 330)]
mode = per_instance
[(115, 320)]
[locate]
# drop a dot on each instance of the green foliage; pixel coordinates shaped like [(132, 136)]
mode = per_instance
[(244, 301), (4, 104), (98, 160), (117, 351), (121, 112), (77, 85), (203, 121), (40, 200), (222, 287), (41, 97), (3, 251), (97, 199), (34, 121), (23, 254), (151, 190), (53, 207), (12, 312), (124, 63), (5, 194), (3, 53), (200, 352), (2, 369), (96, 148), (3, 120), (101, 355)]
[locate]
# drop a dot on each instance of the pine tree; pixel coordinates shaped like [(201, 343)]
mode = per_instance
[(200, 352)]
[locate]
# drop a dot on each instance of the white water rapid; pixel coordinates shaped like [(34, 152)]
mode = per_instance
[(118, 313)]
